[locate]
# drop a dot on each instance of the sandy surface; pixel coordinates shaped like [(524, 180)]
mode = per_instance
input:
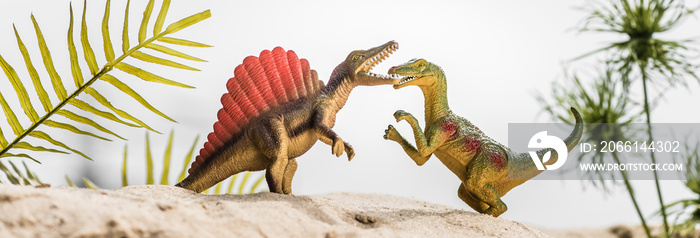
[(165, 211), (620, 231)]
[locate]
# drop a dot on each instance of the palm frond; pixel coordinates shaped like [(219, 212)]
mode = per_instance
[(166, 160), (16, 176), (84, 80)]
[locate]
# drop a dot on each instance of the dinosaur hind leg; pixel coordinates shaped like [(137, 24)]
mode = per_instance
[(288, 175), (487, 167), (470, 200), (272, 141)]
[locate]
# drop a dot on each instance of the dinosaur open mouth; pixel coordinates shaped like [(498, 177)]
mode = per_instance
[(369, 64), (405, 80)]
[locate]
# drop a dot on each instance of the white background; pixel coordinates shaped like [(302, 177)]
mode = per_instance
[(497, 56)]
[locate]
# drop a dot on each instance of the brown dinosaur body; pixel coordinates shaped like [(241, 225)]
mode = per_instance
[(487, 169), (288, 116)]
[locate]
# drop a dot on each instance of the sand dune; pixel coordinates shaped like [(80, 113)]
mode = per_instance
[(165, 211)]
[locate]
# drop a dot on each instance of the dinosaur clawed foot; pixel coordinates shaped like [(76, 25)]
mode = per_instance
[(349, 150), (340, 146), (392, 134)]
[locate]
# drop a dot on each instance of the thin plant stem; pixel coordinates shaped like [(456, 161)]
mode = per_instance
[(630, 190), (651, 140)]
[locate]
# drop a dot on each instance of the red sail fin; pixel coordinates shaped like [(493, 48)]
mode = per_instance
[(259, 85)]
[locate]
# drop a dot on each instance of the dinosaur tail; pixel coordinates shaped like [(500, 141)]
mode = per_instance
[(571, 141), (237, 156), (524, 169)]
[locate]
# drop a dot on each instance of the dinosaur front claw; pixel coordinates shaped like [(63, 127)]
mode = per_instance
[(391, 134), (349, 150), (338, 147), (401, 115)]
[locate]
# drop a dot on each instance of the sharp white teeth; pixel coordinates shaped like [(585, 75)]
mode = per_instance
[(406, 79), (378, 58)]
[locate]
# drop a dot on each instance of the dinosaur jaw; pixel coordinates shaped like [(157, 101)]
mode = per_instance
[(405, 81), (375, 56), (412, 79), (414, 72)]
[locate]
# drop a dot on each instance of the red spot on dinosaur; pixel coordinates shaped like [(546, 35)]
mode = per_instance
[(471, 143), (449, 127), (497, 160)]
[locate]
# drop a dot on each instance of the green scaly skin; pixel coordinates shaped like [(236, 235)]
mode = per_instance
[(481, 163), (274, 139)]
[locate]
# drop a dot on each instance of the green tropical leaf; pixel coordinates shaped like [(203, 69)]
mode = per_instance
[(48, 62), (33, 74), (20, 90), (243, 182), (7, 155), (31, 176), (257, 183), (182, 24), (161, 17), (89, 184), (16, 176), (144, 21), (83, 82), (13, 179), (71, 128), (149, 162), (156, 60), (88, 53), (70, 183), (3, 141), (27, 146), (125, 31), (217, 188), (46, 137), (24, 180), (172, 52), (74, 63), (182, 42), (86, 121), (102, 100), (109, 51), (125, 181), (129, 91), (145, 75), (233, 182), (166, 160), (89, 108), (11, 118), (188, 159)]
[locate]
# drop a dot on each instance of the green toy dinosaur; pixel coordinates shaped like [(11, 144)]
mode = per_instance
[(481, 163), (276, 109)]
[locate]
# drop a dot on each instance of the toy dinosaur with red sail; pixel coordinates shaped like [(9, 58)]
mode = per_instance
[(275, 110)]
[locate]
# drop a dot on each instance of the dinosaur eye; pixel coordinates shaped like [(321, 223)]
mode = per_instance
[(356, 57)]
